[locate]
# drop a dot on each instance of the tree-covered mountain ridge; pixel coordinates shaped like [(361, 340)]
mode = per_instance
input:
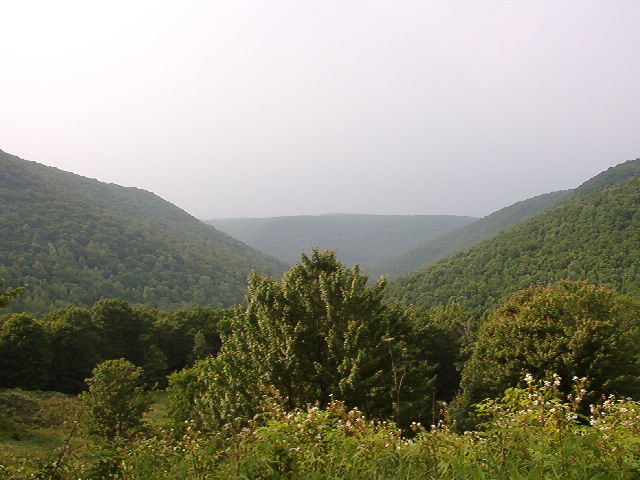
[(447, 245), (431, 251), (594, 236), (74, 240), (357, 238)]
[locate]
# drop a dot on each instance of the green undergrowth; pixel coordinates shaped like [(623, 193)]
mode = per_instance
[(535, 432), (38, 428), (34, 425)]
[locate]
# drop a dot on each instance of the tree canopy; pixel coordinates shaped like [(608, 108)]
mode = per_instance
[(321, 333), (571, 329)]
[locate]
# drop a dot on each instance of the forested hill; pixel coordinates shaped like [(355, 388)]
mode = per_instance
[(434, 250), (445, 246), (74, 240), (357, 239), (595, 237)]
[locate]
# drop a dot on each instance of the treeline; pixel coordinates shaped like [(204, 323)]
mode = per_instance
[(319, 376), (58, 350)]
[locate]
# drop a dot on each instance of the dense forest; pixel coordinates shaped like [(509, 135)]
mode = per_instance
[(447, 245), (519, 358), (74, 240), (357, 239), (593, 238)]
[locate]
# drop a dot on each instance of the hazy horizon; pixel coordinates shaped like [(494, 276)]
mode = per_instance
[(260, 108)]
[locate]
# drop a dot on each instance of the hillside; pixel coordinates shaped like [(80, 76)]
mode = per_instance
[(594, 237), (357, 239), (466, 237), (74, 240), (446, 246)]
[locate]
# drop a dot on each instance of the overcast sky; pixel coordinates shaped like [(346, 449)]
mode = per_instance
[(264, 108)]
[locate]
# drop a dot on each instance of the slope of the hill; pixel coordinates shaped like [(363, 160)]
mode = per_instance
[(357, 239), (74, 240), (595, 237), (466, 237), (446, 246)]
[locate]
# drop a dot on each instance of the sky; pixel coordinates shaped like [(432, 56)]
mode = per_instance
[(238, 108)]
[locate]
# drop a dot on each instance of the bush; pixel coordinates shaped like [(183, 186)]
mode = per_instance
[(573, 329), (116, 401)]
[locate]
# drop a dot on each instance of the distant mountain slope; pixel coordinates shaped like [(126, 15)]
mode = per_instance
[(446, 246), (75, 240), (357, 239), (466, 237), (594, 237)]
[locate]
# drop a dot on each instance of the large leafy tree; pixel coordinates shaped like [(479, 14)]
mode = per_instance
[(24, 352), (75, 347), (120, 329), (568, 328), (319, 333), (116, 400)]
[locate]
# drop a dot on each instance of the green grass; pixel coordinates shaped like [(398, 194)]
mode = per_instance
[(159, 413), (35, 426)]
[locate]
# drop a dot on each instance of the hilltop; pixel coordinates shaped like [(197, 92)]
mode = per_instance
[(74, 240)]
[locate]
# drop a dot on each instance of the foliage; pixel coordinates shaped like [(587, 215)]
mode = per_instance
[(24, 352), (357, 239), (75, 240), (75, 345), (593, 238), (9, 295), (530, 433), (574, 329), (447, 245), (116, 400), (58, 351), (320, 333)]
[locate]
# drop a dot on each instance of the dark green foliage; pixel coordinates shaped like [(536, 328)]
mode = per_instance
[(74, 240), (59, 351), (449, 244), (119, 328), (593, 238), (115, 401), (75, 344), (155, 367), (571, 329), (357, 239), (320, 333), (24, 352)]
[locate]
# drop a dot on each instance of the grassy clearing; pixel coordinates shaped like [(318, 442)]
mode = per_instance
[(34, 426)]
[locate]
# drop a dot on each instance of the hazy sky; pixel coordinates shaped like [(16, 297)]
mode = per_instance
[(264, 108)]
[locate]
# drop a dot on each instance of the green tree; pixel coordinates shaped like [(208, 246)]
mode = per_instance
[(74, 344), (155, 367), (10, 294), (120, 329), (116, 400), (569, 328), (320, 333), (24, 352)]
